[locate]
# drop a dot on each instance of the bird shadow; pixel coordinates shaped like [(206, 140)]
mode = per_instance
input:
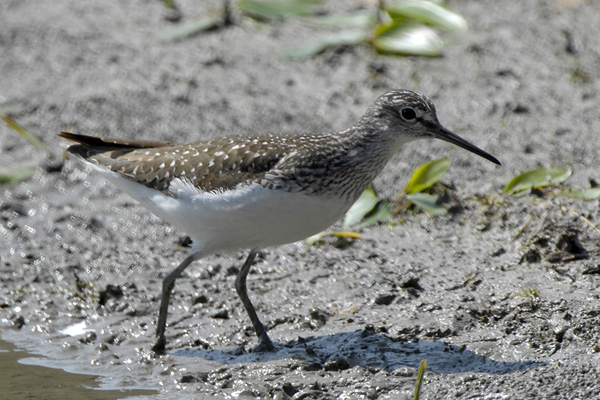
[(369, 349)]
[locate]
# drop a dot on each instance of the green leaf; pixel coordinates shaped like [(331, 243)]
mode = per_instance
[(588, 194), (368, 210), (429, 13), (538, 178), (361, 20), (427, 202), (312, 240), (189, 29), (364, 205), (340, 39), (409, 39), (16, 175), (273, 9), (12, 124), (383, 212), (427, 175)]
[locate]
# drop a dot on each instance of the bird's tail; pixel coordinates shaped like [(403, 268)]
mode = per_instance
[(112, 143), (89, 145)]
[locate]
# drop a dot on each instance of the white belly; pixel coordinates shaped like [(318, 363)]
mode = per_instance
[(251, 217), (258, 217)]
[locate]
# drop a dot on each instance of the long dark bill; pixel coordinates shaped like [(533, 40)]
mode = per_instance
[(446, 135)]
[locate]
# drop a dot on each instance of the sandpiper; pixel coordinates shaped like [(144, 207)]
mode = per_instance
[(255, 191)]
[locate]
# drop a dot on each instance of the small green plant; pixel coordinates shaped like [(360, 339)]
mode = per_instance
[(21, 172), (420, 376), (368, 210), (269, 10), (15, 175), (587, 194), (538, 178), (425, 176), (529, 294), (526, 293), (541, 178), (12, 124), (259, 10), (191, 28), (403, 28)]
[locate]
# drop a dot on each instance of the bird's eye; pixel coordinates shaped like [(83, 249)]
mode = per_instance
[(408, 114)]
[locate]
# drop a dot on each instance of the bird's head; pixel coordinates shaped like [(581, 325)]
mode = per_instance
[(405, 115)]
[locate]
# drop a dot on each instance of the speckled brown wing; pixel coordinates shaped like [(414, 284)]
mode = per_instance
[(217, 164)]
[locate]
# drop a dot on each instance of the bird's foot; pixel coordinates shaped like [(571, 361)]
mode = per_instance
[(159, 346), (264, 345)]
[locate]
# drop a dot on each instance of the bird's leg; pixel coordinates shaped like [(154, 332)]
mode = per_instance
[(264, 342), (167, 286)]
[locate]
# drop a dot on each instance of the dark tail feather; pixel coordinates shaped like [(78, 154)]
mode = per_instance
[(103, 143)]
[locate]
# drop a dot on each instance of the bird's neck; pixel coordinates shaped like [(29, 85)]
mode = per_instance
[(359, 156)]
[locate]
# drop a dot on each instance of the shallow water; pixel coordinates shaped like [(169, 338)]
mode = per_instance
[(27, 376)]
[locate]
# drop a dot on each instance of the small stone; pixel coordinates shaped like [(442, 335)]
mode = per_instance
[(223, 314), (338, 364), (385, 299)]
